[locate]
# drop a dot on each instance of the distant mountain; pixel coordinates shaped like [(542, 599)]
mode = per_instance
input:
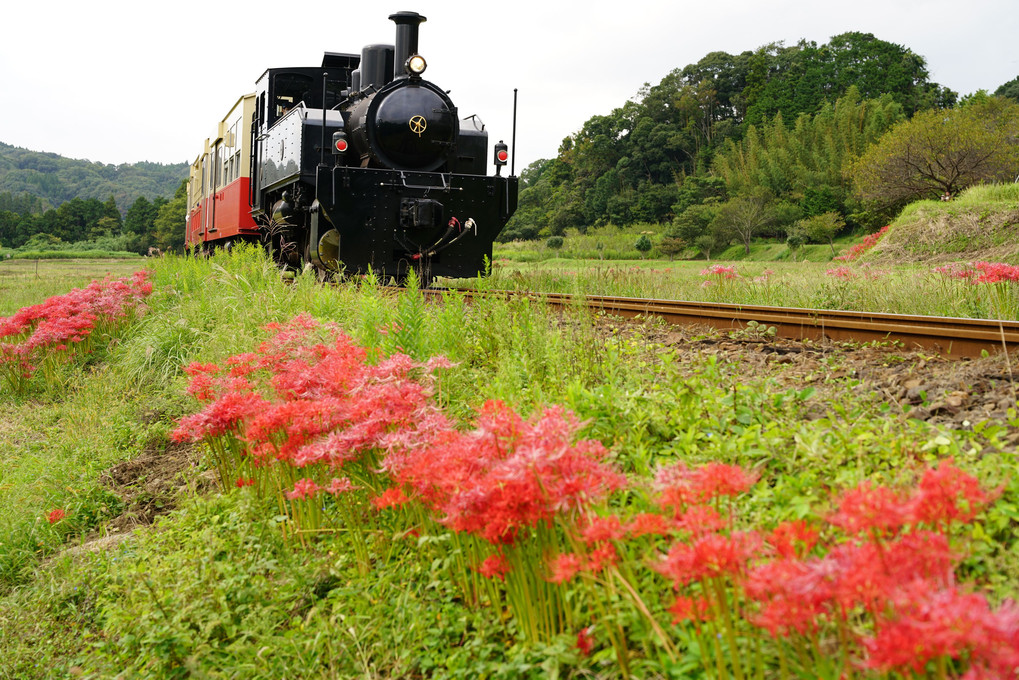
[(55, 179)]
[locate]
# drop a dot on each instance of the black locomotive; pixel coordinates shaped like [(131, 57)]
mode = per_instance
[(358, 164)]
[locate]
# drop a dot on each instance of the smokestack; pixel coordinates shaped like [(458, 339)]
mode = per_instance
[(406, 40)]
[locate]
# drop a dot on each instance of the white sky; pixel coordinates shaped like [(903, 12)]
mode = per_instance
[(121, 81)]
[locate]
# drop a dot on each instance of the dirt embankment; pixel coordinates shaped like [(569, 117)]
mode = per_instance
[(947, 232)]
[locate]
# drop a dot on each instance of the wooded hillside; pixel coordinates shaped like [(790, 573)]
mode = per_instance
[(760, 144), (56, 180)]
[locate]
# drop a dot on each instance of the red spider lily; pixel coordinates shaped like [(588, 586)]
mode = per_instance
[(601, 558), (508, 473), (564, 567), (868, 574), (946, 494), (680, 485), (720, 271), (56, 515), (202, 383), (223, 415), (65, 322), (339, 485), (929, 622), (392, 497), (243, 482), (843, 272), (698, 520), (709, 556), (303, 489), (14, 359), (690, 609), (793, 539), (495, 566), (602, 529), (868, 242), (648, 523), (996, 272), (954, 271), (870, 508), (281, 429), (585, 643), (792, 594)]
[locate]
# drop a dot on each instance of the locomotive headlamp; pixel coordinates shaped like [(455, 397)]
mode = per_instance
[(416, 64)]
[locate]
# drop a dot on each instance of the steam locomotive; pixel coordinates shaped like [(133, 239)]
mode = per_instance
[(358, 164)]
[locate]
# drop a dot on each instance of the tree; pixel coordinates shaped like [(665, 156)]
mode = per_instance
[(746, 214), (710, 241), (643, 245), (1009, 90), (554, 242), (796, 236), (803, 77), (140, 217), (941, 152), (819, 229), (695, 221), (807, 163), (140, 223), (168, 227)]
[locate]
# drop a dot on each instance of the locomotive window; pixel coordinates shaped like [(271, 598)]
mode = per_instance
[(291, 88)]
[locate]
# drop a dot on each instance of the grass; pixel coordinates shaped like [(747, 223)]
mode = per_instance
[(28, 282), (611, 243), (214, 590), (73, 254), (866, 286)]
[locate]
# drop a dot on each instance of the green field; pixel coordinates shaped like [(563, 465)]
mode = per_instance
[(188, 559), (24, 282)]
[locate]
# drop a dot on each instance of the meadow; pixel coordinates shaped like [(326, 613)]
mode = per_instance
[(29, 281), (904, 289), (926, 262), (369, 485)]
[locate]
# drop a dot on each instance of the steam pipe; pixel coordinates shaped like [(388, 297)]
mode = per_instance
[(406, 40)]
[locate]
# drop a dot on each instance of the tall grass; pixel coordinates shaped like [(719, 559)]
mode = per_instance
[(902, 289)]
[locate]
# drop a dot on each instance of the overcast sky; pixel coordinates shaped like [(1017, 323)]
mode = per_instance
[(118, 81)]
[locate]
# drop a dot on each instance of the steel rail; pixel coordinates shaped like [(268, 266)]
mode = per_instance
[(948, 336)]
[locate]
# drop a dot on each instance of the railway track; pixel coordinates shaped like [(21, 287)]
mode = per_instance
[(948, 336)]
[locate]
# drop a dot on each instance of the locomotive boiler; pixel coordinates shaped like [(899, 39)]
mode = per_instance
[(360, 164)]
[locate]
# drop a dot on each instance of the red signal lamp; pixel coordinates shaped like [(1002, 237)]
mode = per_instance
[(340, 143), (501, 153)]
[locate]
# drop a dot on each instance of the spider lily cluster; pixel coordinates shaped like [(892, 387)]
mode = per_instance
[(63, 326), (863, 246), (538, 524)]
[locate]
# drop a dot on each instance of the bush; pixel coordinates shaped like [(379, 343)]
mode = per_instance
[(554, 242)]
